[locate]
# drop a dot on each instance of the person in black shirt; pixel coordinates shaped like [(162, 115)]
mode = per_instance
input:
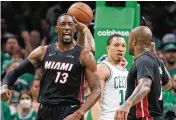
[(65, 65), (144, 80)]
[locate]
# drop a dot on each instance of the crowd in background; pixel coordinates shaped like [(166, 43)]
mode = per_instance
[(26, 25)]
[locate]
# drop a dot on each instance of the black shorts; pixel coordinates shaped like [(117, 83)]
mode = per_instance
[(55, 112)]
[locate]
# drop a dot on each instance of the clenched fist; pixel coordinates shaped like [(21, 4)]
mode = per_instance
[(5, 93)]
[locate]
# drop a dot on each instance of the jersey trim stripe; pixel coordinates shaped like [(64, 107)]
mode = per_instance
[(142, 108), (145, 104), (80, 94)]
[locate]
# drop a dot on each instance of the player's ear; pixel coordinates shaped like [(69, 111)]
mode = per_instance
[(107, 47), (134, 41), (56, 29)]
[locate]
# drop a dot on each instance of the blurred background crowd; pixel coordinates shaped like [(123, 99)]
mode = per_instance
[(26, 25)]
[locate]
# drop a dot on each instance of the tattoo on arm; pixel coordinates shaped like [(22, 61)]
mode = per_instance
[(140, 91)]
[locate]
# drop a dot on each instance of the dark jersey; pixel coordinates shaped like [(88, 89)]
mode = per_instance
[(147, 65), (61, 82)]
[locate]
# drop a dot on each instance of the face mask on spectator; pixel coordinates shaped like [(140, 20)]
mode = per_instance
[(26, 103)]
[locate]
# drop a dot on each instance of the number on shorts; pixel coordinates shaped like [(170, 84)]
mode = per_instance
[(63, 79)]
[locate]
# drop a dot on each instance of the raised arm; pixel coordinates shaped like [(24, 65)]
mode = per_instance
[(85, 38)]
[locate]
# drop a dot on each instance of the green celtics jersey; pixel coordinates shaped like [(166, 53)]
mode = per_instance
[(31, 116), (169, 101)]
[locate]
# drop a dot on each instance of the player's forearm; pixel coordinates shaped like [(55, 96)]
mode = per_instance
[(96, 111), (81, 39), (138, 94), (168, 86), (86, 40), (91, 100), (11, 77)]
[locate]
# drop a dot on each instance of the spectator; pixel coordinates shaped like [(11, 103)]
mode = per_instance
[(7, 66), (25, 112), (5, 111), (12, 46), (5, 57), (35, 87), (31, 40), (34, 39), (169, 38), (169, 102), (51, 16), (157, 41), (44, 28), (28, 47), (18, 57), (53, 13), (170, 58), (45, 32)]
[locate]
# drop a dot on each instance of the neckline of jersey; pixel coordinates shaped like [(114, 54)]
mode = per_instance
[(141, 55), (58, 50)]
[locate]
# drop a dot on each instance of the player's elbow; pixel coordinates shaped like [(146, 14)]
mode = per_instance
[(145, 85), (168, 86), (146, 89)]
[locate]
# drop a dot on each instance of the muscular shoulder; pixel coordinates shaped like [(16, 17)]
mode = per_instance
[(42, 50), (103, 71), (87, 59), (37, 54), (103, 68)]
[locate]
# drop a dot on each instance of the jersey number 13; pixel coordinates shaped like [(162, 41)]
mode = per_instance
[(61, 77)]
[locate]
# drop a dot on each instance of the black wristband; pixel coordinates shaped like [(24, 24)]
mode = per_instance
[(12, 76)]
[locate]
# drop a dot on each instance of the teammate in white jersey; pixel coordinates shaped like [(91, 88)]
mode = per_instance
[(113, 79)]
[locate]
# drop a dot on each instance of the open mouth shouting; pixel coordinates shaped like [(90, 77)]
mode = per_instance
[(66, 35)]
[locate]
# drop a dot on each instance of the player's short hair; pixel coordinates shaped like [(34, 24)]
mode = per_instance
[(64, 14), (112, 36)]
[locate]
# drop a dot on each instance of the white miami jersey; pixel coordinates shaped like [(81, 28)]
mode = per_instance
[(114, 91)]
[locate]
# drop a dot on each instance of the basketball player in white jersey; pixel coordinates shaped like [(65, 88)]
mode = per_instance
[(112, 78)]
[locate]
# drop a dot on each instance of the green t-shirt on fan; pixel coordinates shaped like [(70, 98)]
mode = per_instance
[(169, 102), (31, 116)]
